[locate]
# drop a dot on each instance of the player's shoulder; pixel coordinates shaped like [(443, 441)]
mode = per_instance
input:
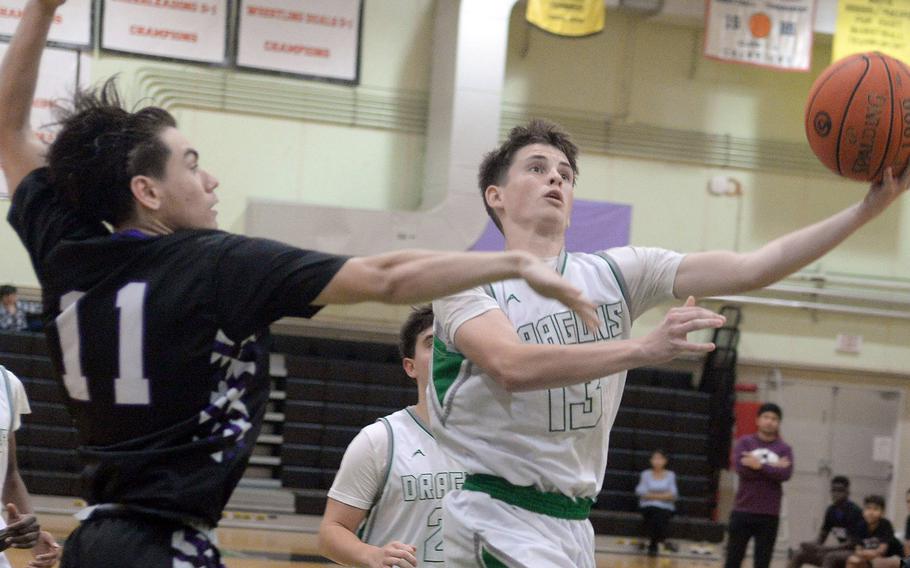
[(377, 433)]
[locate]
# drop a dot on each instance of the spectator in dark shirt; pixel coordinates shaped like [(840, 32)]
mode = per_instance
[(876, 546), (12, 312), (763, 463), (841, 519)]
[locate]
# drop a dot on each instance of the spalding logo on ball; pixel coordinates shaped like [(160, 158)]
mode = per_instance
[(858, 116)]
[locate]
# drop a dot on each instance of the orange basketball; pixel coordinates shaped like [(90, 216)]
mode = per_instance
[(760, 25), (858, 116)]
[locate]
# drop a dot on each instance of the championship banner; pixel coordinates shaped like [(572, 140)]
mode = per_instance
[(870, 25), (61, 70), (72, 24), (767, 33), (313, 38), (572, 18), (188, 30)]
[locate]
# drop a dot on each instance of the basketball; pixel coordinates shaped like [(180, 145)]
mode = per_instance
[(858, 116)]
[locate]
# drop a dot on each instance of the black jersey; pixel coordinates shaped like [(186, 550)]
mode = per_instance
[(841, 519), (160, 343)]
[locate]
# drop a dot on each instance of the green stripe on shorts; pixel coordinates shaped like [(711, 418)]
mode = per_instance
[(490, 561)]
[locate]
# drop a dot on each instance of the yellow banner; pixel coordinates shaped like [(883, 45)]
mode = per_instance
[(573, 18), (872, 25)]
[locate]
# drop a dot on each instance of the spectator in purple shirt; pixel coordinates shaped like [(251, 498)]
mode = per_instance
[(763, 463)]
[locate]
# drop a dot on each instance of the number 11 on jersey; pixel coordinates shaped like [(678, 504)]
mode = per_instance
[(131, 386)]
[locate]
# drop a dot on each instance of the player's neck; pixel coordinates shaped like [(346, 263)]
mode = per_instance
[(421, 410), (149, 226), (542, 245)]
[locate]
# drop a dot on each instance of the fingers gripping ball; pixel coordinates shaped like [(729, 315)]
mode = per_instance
[(858, 116)]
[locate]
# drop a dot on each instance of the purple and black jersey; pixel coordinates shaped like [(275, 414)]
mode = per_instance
[(161, 345)]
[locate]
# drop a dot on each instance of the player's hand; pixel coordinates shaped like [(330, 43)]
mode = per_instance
[(46, 552), (394, 554), (750, 461), (669, 339), (547, 282), (882, 193), (22, 530)]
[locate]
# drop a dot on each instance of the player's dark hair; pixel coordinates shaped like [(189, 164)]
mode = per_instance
[(420, 318), (875, 500), (101, 146), (495, 165), (770, 407), (841, 480), (661, 452), (6, 290)]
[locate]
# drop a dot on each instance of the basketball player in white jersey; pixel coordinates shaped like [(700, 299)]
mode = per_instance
[(385, 506), (523, 394)]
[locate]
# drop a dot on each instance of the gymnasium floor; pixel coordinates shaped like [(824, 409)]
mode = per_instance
[(270, 540)]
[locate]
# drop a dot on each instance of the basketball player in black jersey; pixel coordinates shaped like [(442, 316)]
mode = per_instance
[(158, 328)]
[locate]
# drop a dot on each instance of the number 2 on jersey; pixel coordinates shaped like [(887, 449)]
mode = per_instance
[(131, 387), (432, 546)]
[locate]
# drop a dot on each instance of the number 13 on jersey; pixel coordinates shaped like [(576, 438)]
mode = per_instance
[(572, 409)]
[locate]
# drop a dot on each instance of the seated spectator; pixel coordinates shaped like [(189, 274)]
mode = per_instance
[(657, 494), (12, 313), (841, 519), (876, 546)]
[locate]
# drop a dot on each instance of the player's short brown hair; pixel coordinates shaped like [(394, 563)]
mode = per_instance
[(495, 165)]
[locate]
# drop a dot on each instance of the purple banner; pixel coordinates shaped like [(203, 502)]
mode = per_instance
[(596, 225)]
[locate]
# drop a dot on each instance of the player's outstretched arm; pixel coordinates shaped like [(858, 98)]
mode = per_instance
[(490, 341), (724, 272), (20, 150), (338, 541), (414, 276)]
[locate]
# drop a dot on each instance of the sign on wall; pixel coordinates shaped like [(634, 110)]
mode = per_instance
[(870, 25), (188, 30), (314, 38), (61, 70), (572, 18), (768, 33), (72, 22)]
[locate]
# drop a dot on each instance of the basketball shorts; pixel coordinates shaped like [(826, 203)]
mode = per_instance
[(480, 531), (117, 540)]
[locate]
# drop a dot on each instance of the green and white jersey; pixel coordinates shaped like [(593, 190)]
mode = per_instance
[(394, 469), (557, 439)]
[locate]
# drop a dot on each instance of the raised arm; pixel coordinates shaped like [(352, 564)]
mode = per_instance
[(20, 149), (490, 341), (414, 276), (725, 272)]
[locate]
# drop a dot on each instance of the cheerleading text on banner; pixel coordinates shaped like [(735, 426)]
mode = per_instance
[(768, 33), (314, 38), (872, 25), (190, 30), (72, 23), (572, 18), (59, 73)]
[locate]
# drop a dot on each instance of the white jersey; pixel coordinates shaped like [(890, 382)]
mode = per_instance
[(557, 439), (395, 469), (13, 404)]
